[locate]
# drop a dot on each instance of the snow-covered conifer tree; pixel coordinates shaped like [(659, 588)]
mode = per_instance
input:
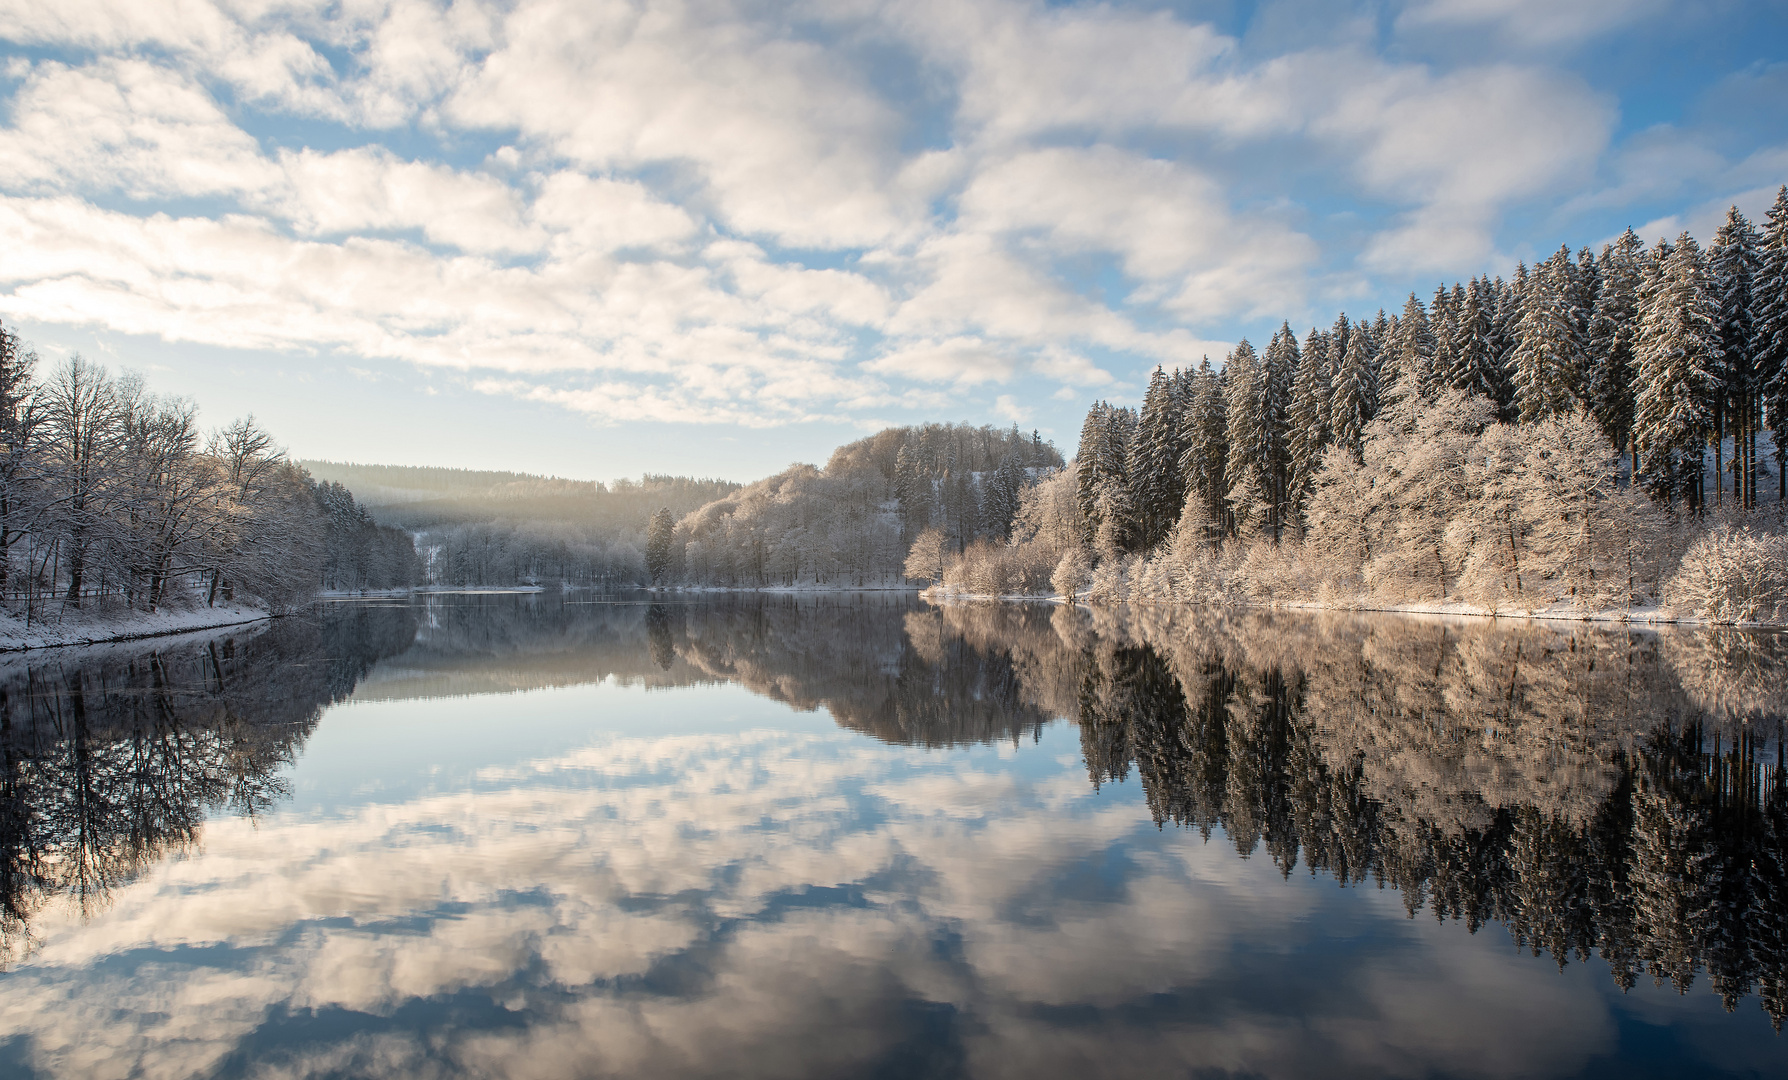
[(1769, 313), (1677, 361), (1205, 458), (1548, 357), (1307, 421), (1246, 434), (1441, 319), (1733, 263), (1280, 368), (1157, 487), (1355, 400), (1408, 364), (1613, 330), (1475, 369)]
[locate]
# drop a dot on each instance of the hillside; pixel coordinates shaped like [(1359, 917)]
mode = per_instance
[(422, 497)]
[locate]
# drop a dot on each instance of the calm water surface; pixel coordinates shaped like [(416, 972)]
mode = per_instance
[(533, 836)]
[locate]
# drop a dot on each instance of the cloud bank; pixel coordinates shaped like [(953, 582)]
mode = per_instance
[(748, 214)]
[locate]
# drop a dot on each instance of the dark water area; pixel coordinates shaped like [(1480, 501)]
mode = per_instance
[(858, 835)]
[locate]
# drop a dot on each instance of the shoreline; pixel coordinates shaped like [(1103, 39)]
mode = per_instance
[(1644, 617), (15, 638)]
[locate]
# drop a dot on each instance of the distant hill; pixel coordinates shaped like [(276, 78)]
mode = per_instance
[(427, 497)]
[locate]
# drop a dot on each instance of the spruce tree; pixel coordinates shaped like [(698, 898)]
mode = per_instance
[(1409, 375), (1441, 320), (1733, 264), (1503, 304), (1280, 367), (1548, 357), (1613, 332), (1677, 358), (1246, 430), (1355, 399), (1769, 306), (1204, 460), (1157, 488), (1307, 421)]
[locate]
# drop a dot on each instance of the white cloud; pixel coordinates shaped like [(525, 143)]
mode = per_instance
[(702, 209)]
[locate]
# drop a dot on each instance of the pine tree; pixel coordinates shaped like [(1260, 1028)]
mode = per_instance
[(1409, 359), (1613, 332), (658, 544), (1548, 356), (1677, 358), (1442, 319), (1503, 303), (1204, 460), (1356, 391), (1733, 264), (1474, 368), (1157, 488), (1769, 306), (1307, 421), (1246, 434), (1086, 461), (1280, 365)]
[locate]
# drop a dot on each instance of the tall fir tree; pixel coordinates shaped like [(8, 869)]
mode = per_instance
[(1504, 303), (1204, 460), (1475, 370), (1355, 400), (1409, 375), (1441, 320), (1157, 488), (1307, 422), (1548, 359), (1613, 332), (1280, 366), (1678, 362), (1732, 264), (1769, 308)]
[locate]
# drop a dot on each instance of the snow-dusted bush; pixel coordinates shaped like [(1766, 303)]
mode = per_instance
[(1110, 582), (1732, 575), (1072, 573)]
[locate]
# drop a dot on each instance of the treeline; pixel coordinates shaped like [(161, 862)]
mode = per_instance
[(111, 498), (503, 528), (1489, 446), (852, 522)]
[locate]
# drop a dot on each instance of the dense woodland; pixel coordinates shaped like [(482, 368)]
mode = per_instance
[(853, 522), (112, 499), (1602, 431), (505, 529)]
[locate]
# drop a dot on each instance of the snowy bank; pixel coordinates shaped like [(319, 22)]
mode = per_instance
[(89, 628), (1650, 615)]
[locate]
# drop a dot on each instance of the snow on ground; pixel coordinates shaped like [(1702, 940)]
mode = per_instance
[(88, 628)]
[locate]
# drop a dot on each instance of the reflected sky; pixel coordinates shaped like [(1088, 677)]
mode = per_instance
[(734, 847)]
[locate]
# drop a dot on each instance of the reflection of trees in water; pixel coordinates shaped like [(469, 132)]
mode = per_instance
[(873, 661), (851, 654), (110, 758), (1596, 792)]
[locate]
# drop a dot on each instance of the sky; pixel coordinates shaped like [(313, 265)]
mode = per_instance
[(594, 239)]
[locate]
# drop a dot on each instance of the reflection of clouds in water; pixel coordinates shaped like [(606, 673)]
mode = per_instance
[(760, 903)]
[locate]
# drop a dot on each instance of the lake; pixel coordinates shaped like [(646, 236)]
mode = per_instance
[(861, 836)]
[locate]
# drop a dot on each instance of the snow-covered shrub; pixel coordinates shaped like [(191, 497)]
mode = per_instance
[(1110, 583), (1072, 573), (1732, 575)]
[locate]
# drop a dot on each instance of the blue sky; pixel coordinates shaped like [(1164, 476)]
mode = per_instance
[(596, 239)]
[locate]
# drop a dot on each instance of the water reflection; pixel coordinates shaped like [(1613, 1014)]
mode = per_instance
[(112, 757), (702, 882)]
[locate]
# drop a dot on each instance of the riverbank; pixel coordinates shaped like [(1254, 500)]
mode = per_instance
[(1652, 615), (93, 628)]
